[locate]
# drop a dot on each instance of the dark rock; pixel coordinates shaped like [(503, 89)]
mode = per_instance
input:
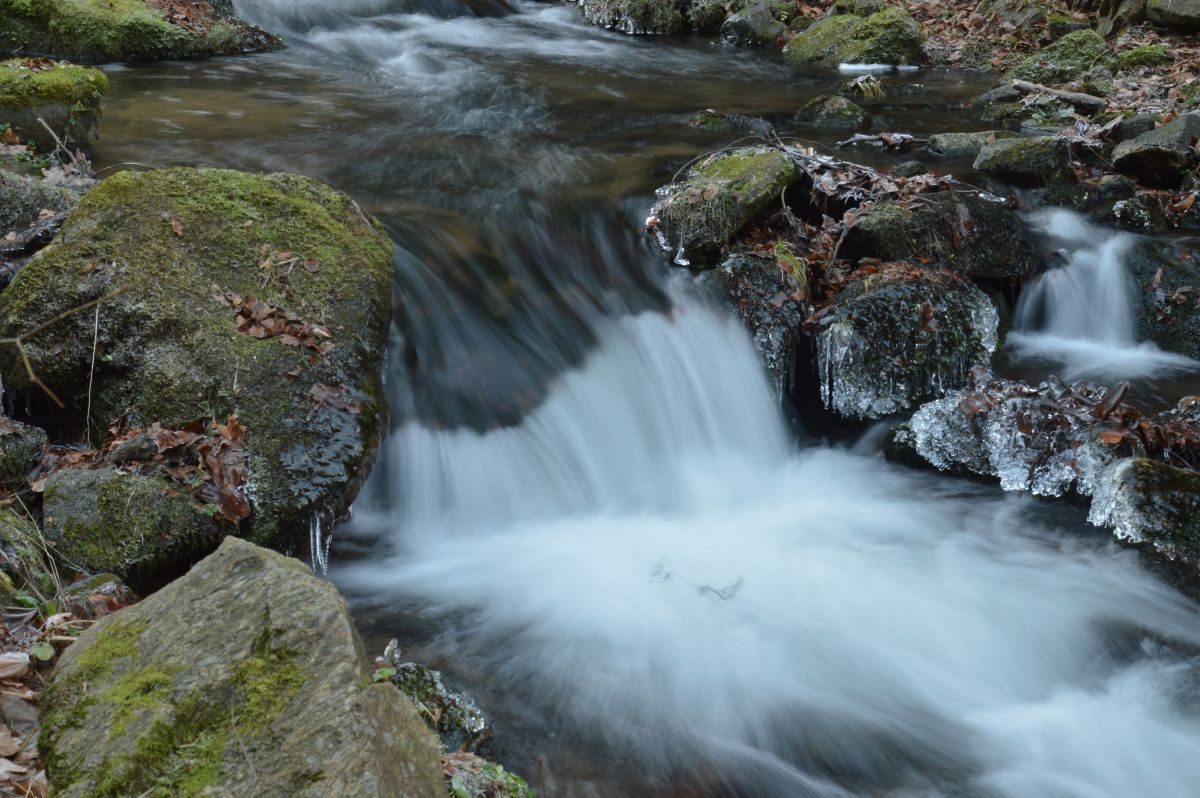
[(1141, 213), (909, 169), (97, 596), (970, 235), (1030, 162), (1018, 13), (21, 448), (243, 678), (1116, 187), (635, 17), (1168, 305), (755, 25), (963, 145), (1133, 126), (1146, 501), (455, 717), (830, 112), (1183, 14), (1160, 157), (890, 36)]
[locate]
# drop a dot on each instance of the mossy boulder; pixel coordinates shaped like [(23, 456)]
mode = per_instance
[(140, 528), (122, 30), (1161, 157), (635, 16), (1147, 55), (178, 244), (22, 199), (719, 197), (1066, 59), (21, 448), (1183, 14), (1148, 502), (890, 36), (1018, 13), (1034, 162), (243, 678), (24, 564), (973, 236), (757, 24), (66, 96), (830, 112), (965, 145), (900, 337)]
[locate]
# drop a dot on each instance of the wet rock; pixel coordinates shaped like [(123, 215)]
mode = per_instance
[(1160, 157), (973, 236), (1142, 213), (718, 198), (67, 97), (890, 36), (635, 16), (964, 145), (455, 717), (909, 169), (124, 30), (136, 527), (1031, 162), (1116, 187), (1183, 14), (830, 112), (1146, 501), (299, 361), (765, 299), (755, 25), (472, 776), (1133, 126), (1065, 59), (243, 678), (21, 447), (720, 122), (1168, 306), (899, 337)]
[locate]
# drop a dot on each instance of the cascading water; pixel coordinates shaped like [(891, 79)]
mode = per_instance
[(1080, 315)]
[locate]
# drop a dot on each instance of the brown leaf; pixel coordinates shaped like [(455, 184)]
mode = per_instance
[(176, 227)]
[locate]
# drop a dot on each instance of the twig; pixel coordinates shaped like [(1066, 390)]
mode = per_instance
[(87, 416)]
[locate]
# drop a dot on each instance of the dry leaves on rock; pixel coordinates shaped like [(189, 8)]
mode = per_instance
[(262, 320)]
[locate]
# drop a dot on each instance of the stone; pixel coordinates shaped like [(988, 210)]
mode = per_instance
[(67, 97), (753, 26), (635, 17), (1183, 14), (965, 145), (1065, 59), (1132, 126), (1165, 303), (174, 348), (890, 36), (830, 112), (244, 678), (1018, 13), (718, 198), (1032, 162), (97, 596), (968, 234), (1149, 502), (21, 449), (1160, 157)]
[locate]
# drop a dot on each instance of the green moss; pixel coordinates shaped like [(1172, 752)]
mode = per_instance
[(61, 83), (1145, 56), (1066, 59), (890, 36), (139, 690), (266, 682)]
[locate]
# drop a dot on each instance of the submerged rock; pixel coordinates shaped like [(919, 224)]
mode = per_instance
[(1162, 156), (1034, 162), (264, 296), (22, 199), (67, 97), (964, 145), (1066, 59), (1146, 501), (830, 111), (899, 337), (243, 678), (890, 36), (718, 198), (971, 235), (124, 30)]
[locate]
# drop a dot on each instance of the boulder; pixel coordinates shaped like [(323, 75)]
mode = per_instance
[(978, 238), (1033, 162), (889, 36), (243, 678), (22, 199), (1146, 501), (24, 564), (67, 97), (635, 16), (965, 145), (21, 447), (262, 296), (1148, 55), (830, 112), (1018, 13), (1066, 59), (124, 30), (1167, 305), (900, 337), (718, 198), (137, 527), (755, 25), (1162, 156), (1174, 13), (1132, 126)]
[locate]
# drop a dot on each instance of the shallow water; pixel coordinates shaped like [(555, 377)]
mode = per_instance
[(590, 512)]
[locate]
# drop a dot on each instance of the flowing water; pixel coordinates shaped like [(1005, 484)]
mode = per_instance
[(589, 511)]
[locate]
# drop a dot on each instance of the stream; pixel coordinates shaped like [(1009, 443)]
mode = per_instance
[(590, 512)]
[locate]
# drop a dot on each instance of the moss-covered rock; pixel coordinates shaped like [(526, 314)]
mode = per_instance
[(890, 36), (171, 349), (1147, 55), (1034, 162), (1161, 157), (243, 678), (757, 24), (136, 527), (22, 199), (830, 111), (1019, 13), (121, 30), (24, 563), (66, 96), (635, 16), (965, 145), (900, 337), (973, 236), (721, 196), (1065, 59)]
